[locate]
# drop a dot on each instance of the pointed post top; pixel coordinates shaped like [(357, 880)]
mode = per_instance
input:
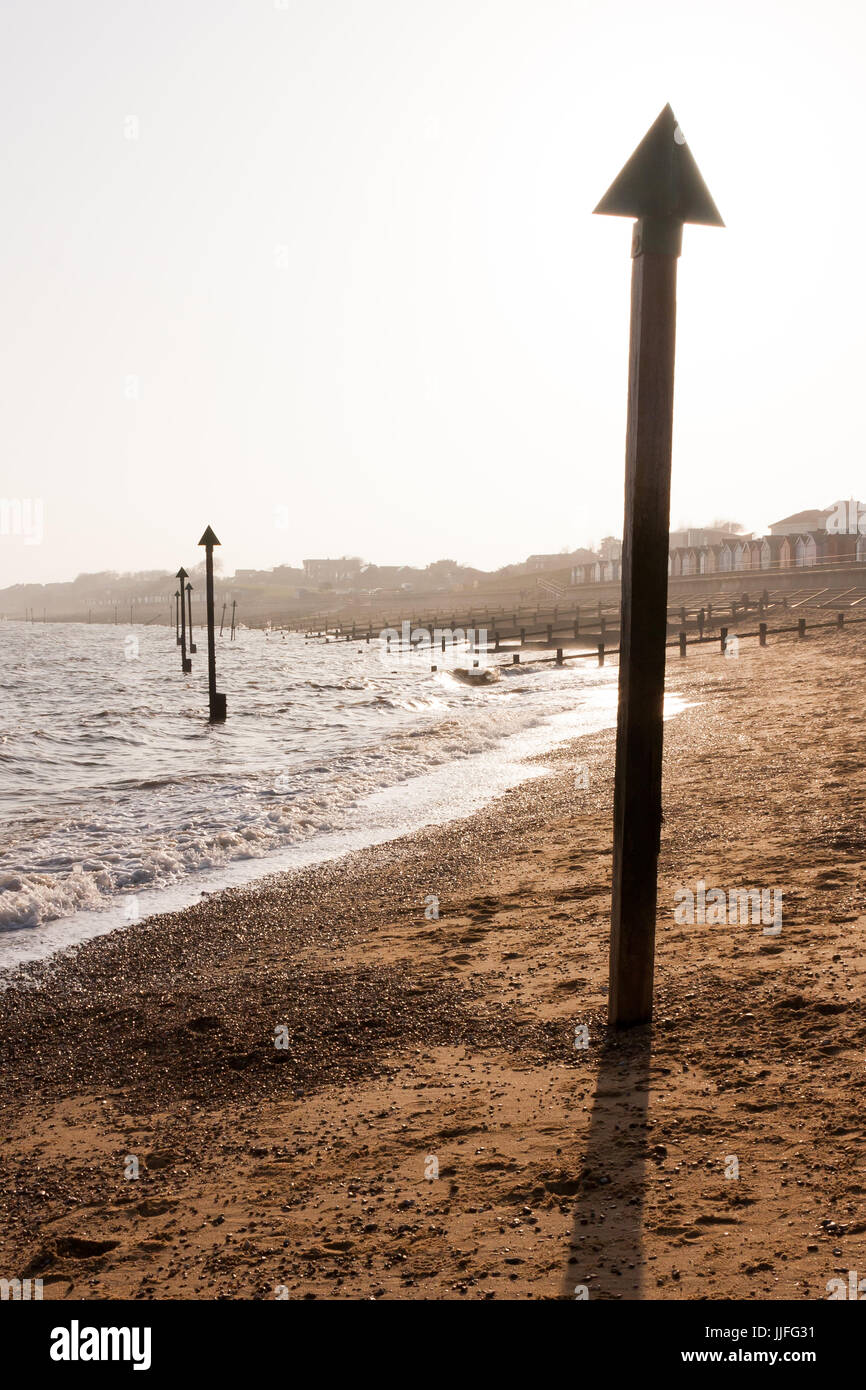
[(661, 180), (188, 586), (181, 574), (208, 538)]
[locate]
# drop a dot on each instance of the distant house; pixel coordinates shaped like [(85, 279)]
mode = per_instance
[(281, 574), (587, 567), (343, 571), (548, 562), (287, 574), (701, 536), (567, 559), (800, 523), (610, 552)]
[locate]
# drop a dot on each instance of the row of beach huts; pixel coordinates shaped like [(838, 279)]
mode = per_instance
[(799, 541)]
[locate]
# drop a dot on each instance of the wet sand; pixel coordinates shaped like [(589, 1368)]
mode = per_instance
[(430, 1124)]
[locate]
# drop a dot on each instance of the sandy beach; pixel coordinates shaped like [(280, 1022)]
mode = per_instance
[(328, 1092)]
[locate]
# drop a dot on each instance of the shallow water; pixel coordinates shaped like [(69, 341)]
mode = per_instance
[(117, 798)]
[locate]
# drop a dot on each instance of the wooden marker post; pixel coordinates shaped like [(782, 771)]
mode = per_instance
[(216, 700), (177, 615), (185, 663), (192, 646), (662, 188)]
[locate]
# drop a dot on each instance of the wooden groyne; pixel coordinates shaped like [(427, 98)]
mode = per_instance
[(574, 622)]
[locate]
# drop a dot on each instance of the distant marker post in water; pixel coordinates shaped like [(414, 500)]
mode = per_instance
[(177, 615), (185, 663), (662, 188), (192, 645), (216, 699)]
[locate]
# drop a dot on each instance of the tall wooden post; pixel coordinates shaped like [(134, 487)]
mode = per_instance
[(216, 700), (662, 188), (185, 663), (192, 645), (177, 615)]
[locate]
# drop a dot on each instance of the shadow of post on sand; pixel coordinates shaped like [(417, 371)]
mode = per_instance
[(606, 1255)]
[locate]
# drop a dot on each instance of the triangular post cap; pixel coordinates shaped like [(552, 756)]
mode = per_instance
[(181, 574), (208, 538), (662, 180)]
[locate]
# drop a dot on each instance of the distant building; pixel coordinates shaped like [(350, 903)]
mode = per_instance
[(343, 571), (707, 535), (798, 541), (549, 562), (585, 566), (589, 568), (801, 523), (287, 574)]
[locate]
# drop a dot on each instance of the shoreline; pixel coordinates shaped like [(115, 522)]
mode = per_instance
[(412, 1039), (436, 795)]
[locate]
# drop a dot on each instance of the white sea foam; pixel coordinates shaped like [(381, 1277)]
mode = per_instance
[(113, 785)]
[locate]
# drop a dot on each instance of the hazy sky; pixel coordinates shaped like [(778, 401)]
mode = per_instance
[(324, 273)]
